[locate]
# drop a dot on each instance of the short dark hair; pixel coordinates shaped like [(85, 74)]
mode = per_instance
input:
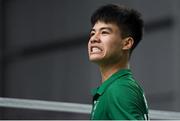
[(128, 20)]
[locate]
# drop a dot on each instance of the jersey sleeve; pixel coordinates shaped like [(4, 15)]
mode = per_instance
[(124, 102)]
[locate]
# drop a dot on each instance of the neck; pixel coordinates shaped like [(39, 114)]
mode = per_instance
[(107, 70)]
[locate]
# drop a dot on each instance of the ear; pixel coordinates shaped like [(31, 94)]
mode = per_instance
[(128, 43)]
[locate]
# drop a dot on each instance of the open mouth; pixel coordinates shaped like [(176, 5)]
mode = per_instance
[(95, 49)]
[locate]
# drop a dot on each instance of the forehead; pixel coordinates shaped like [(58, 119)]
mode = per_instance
[(99, 25)]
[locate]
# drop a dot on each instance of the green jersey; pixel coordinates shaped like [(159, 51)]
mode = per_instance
[(119, 98)]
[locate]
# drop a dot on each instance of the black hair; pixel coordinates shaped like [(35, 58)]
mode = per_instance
[(128, 20)]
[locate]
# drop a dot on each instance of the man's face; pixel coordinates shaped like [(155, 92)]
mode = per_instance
[(105, 43)]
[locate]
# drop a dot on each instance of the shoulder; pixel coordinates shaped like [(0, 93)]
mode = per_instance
[(125, 99), (124, 91)]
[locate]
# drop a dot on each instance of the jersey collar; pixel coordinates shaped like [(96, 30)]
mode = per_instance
[(100, 90)]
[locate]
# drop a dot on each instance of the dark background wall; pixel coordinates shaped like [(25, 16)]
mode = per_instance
[(43, 53)]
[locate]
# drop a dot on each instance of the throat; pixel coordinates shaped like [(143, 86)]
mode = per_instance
[(108, 71)]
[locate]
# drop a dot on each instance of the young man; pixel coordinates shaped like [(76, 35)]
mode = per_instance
[(116, 31)]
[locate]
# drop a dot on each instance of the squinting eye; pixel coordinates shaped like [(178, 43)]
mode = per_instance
[(105, 32), (91, 34)]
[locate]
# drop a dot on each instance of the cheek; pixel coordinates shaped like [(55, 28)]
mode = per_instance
[(113, 44), (113, 48)]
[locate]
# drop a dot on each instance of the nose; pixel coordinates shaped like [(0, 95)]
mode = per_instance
[(95, 39)]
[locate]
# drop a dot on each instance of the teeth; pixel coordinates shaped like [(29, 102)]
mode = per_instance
[(95, 49)]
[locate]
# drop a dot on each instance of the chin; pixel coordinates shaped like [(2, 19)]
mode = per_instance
[(95, 59)]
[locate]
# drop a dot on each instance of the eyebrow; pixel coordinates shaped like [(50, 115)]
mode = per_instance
[(108, 28)]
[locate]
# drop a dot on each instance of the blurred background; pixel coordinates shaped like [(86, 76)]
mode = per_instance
[(43, 54)]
